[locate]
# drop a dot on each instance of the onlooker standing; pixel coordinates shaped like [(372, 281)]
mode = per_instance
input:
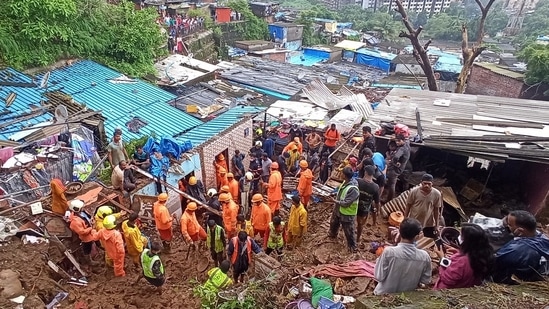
[(116, 150), (424, 204), (265, 167), (403, 267), (469, 266), (345, 209), (368, 201), (238, 164), (396, 165), (332, 136), (369, 141), (240, 252), (313, 141)]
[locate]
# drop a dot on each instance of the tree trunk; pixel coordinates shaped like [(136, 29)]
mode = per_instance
[(420, 51), (470, 54)]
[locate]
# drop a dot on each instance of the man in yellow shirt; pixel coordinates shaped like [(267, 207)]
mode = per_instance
[(218, 278), (135, 242)]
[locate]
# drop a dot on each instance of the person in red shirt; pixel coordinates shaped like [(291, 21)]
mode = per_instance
[(332, 136)]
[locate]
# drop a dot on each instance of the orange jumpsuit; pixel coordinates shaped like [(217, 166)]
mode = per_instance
[(221, 166), (190, 228), (261, 216), (78, 225), (114, 248), (234, 190), (274, 191), (230, 212), (163, 221), (305, 186), (59, 203)]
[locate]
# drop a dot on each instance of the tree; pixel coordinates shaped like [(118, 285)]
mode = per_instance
[(537, 58), (40, 32), (254, 28), (442, 26), (421, 19), (420, 51), (537, 23), (471, 53)]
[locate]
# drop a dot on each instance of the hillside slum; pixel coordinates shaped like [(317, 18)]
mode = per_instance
[(485, 156)]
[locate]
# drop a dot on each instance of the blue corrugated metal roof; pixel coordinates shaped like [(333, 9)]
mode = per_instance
[(91, 84), (26, 97), (203, 133)]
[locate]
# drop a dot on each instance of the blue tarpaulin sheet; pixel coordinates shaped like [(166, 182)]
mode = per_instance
[(374, 59)]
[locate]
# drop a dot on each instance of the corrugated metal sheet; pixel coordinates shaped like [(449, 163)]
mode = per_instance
[(203, 133), (92, 84), (27, 97)]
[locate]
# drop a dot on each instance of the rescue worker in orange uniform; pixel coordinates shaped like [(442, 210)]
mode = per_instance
[(163, 220), (296, 142), (230, 212), (59, 203), (221, 169), (225, 189), (135, 242), (190, 228), (305, 185), (233, 187), (261, 215), (240, 261), (274, 189), (80, 224), (114, 244)]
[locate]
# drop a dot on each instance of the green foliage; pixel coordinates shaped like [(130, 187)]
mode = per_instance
[(309, 37), (40, 32), (537, 58), (131, 146), (537, 23), (447, 25), (254, 28)]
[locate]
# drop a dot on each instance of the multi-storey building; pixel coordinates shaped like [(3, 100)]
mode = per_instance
[(335, 5), (517, 5), (411, 5)]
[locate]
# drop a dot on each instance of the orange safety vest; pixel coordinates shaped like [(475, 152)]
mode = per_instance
[(234, 256)]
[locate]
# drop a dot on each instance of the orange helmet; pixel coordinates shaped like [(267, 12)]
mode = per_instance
[(230, 175), (221, 157), (293, 147), (222, 170), (225, 189), (162, 197), (257, 198), (303, 164), (191, 206), (224, 197), (274, 165)]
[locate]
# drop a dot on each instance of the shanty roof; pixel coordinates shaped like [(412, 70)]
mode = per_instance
[(209, 130), (25, 111), (500, 70), (178, 69), (289, 79), (404, 59), (493, 128), (132, 103)]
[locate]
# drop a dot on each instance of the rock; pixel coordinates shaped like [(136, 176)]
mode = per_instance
[(33, 301), (9, 284)]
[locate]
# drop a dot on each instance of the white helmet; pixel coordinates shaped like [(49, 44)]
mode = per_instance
[(211, 192), (249, 175), (76, 205), (258, 143)]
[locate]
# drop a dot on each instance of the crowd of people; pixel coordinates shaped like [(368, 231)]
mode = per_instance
[(245, 217)]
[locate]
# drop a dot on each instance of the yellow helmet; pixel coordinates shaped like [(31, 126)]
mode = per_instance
[(192, 180), (162, 197), (230, 175), (303, 164), (191, 206), (109, 222), (225, 189), (103, 211)]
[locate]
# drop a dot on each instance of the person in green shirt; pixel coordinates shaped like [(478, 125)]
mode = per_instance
[(218, 278)]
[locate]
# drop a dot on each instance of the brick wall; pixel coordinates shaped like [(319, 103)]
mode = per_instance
[(233, 138), (485, 82), (279, 57)]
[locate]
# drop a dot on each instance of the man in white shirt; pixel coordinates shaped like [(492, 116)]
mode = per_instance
[(403, 267)]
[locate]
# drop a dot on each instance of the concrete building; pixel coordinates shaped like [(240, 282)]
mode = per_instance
[(335, 5), (520, 4), (411, 5), (286, 35)]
